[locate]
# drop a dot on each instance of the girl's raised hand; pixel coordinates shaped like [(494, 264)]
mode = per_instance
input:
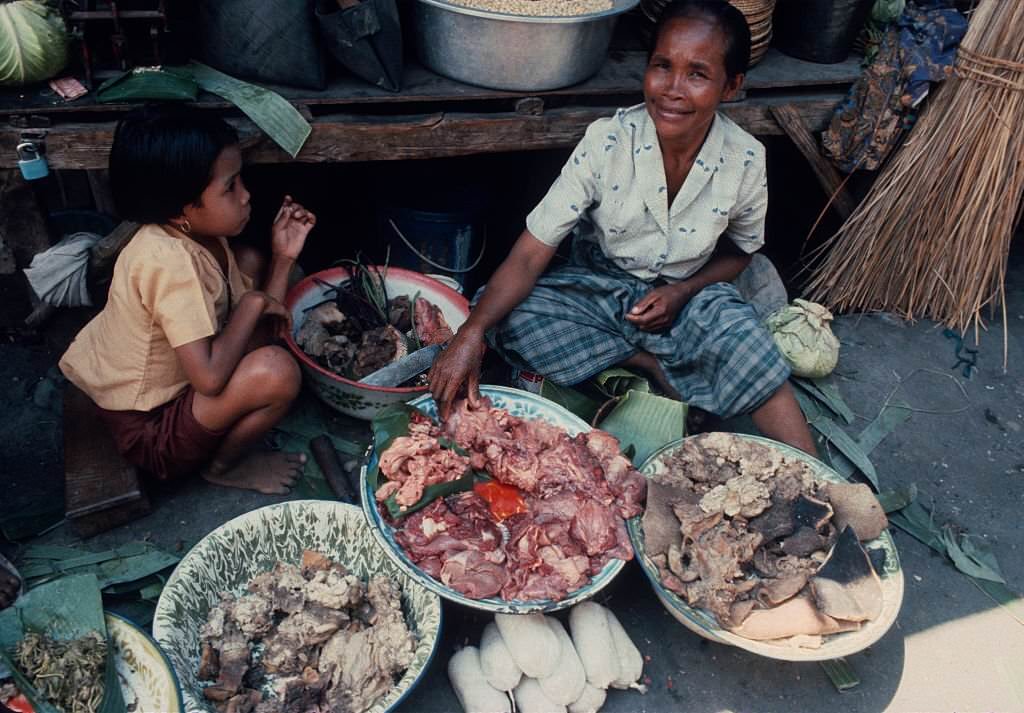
[(291, 226)]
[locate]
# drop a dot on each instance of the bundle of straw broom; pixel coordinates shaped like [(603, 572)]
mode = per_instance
[(931, 239)]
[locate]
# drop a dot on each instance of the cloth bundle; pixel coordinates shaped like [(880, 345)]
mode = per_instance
[(918, 50), (58, 275)]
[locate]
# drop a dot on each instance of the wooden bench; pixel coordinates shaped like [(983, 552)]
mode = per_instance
[(101, 490)]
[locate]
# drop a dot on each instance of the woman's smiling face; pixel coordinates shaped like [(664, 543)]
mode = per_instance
[(685, 80)]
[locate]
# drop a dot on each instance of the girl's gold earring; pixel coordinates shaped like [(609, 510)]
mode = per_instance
[(186, 227)]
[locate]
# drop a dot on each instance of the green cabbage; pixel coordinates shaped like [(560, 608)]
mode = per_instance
[(803, 336), (33, 42)]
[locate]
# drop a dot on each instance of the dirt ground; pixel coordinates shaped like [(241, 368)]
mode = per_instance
[(952, 648)]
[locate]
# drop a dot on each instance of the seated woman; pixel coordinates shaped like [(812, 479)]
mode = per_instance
[(668, 200)]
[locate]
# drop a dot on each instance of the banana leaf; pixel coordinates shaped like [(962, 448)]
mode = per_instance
[(827, 394), (894, 500), (830, 430), (618, 382), (971, 556), (572, 399), (281, 121), (67, 608), (647, 422), (389, 424)]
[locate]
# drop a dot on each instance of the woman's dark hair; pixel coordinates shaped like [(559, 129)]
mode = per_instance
[(727, 18), (162, 160)]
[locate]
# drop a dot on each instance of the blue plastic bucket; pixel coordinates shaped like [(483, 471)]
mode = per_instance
[(445, 243)]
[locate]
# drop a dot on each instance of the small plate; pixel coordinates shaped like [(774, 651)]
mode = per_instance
[(521, 404), (147, 678), (704, 623)]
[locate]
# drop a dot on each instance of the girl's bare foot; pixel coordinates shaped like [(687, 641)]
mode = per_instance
[(269, 472), (9, 586)]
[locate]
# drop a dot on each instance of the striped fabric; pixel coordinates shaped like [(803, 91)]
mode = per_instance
[(717, 355)]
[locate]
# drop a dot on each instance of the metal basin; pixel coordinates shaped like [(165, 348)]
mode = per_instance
[(513, 52)]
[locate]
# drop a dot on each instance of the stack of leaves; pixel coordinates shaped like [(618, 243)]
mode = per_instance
[(64, 611), (131, 576), (932, 237)]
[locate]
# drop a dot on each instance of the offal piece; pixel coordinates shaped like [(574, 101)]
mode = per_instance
[(856, 506), (326, 639), (743, 495), (378, 348), (846, 586)]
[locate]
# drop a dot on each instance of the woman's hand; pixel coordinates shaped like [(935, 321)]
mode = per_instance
[(457, 365), (291, 226), (657, 310)]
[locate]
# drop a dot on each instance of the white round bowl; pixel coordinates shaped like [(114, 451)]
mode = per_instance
[(346, 395)]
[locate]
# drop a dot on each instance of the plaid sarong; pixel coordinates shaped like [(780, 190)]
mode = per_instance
[(717, 355)]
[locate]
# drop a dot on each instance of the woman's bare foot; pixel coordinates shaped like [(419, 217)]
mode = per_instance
[(9, 586), (269, 472)]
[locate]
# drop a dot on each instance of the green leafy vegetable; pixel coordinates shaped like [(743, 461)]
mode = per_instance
[(33, 42)]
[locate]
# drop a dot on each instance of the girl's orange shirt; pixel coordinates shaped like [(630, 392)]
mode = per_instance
[(166, 291)]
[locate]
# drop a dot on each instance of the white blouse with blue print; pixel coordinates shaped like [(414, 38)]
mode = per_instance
[(612, 190)]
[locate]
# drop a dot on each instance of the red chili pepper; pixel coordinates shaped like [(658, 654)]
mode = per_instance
[(503, 500), (20, 704)]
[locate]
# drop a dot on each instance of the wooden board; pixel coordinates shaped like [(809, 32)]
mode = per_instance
[(356, 137), (101, 490), (622, 74)]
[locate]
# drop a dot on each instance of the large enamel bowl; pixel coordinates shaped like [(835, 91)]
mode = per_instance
[(521, 404), (346, 395), (230, 556), (704, 623)]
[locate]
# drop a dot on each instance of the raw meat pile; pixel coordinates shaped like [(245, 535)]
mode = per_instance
[(740, 529), (332, 641), (560, 523)]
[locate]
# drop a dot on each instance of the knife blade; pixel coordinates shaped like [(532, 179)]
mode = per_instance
[(405, 368)]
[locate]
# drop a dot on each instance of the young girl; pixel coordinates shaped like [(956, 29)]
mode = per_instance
[(178, 360), (667, 200)]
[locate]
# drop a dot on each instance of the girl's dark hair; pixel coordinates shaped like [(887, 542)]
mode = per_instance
[(162, 160), (727, 18)]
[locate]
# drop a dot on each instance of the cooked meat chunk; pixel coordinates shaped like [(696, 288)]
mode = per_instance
[(209, 662)]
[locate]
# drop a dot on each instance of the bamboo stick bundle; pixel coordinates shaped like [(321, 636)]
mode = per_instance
[(932, 237)]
